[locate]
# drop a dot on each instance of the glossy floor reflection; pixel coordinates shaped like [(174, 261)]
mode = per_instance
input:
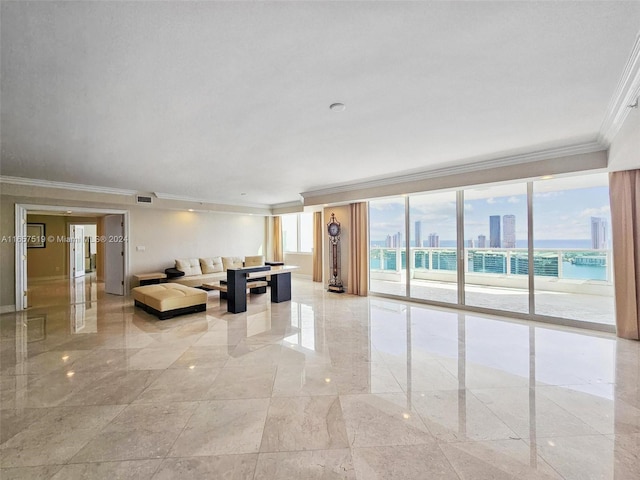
[(325, 386), (582, 307)]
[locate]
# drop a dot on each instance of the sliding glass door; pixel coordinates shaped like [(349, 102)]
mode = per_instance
[(433, 248), (572, 247), (475, 248), (387, 234), (496, 255)]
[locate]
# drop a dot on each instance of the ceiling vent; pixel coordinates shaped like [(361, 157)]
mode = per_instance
[(144, 199)]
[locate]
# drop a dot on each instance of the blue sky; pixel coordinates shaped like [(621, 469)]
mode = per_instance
[(561, 211)]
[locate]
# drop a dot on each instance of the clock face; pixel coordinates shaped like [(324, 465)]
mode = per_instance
[(334, 229)]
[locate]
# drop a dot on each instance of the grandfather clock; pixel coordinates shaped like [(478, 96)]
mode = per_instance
[(333, 227)]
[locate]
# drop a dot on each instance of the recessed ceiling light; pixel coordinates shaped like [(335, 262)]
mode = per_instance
[(337, 107), (546, 177), (69, 211), (191, 209)]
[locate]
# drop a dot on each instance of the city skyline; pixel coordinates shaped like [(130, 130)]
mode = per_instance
[(561, 215)]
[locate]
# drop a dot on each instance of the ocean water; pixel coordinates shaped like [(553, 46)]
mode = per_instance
[(583, 272)]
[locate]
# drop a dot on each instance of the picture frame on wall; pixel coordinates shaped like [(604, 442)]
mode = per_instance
[(36, 235)]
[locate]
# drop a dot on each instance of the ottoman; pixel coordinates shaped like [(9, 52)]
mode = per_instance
[(167, 300)]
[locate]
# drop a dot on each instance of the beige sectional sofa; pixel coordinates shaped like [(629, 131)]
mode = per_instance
[(198, 271)]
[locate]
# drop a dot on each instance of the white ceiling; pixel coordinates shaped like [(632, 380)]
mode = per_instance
[(214, 99)]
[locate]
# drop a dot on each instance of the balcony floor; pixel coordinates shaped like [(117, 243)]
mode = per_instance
[(588, 308)]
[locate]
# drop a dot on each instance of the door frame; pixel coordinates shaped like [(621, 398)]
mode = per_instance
[(72, 248), (22, 209)]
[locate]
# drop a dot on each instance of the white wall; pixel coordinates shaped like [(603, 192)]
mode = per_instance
[(302, 260), (167, 235)]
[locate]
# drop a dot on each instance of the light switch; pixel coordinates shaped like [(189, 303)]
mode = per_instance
[(140, 248)]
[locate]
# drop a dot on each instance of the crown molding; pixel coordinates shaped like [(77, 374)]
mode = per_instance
[(626, 93), (415, 176), (182, 198), (32, 182)]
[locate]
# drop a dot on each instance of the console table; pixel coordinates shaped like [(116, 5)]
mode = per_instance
[(237, 284), (150, 278)]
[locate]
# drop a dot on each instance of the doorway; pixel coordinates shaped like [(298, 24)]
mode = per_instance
[(113, 266), (83, 249)]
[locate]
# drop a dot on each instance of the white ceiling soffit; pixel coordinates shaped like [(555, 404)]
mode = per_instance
[(574, 160), (213, 99)]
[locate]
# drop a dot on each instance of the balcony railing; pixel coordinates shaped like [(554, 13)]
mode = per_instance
[(562, 264)]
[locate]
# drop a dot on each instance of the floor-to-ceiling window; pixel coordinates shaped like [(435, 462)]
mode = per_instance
[(496, 247), (538, 248), (387, 262), (433, 247), (572, 248), (297, 232)]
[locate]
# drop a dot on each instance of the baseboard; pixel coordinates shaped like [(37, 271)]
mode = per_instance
[(7, 308)]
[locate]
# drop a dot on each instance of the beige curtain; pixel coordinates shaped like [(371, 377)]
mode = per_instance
[(317, 246), (624, 193), (358, 250), (277, 240)]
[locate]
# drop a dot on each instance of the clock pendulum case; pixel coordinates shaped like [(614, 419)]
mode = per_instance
[(333, 228)]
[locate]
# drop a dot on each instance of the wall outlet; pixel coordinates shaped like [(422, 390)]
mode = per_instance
[(140, 248)]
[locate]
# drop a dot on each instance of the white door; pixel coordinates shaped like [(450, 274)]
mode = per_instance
[(114, 244), (77, 250)]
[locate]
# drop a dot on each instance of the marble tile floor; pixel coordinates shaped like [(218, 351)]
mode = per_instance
[(327, 386), (575, 306)]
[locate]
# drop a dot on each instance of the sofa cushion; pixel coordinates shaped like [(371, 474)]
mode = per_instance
[(190, 266), (231, 262), (211, 265), (254, 261)]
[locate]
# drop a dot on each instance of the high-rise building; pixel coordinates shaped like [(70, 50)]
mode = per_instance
[(470, 243), (599, 233), (394, 241), (482, 241), (508, 231), (418, 234), (494, 231), (433, 240)]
